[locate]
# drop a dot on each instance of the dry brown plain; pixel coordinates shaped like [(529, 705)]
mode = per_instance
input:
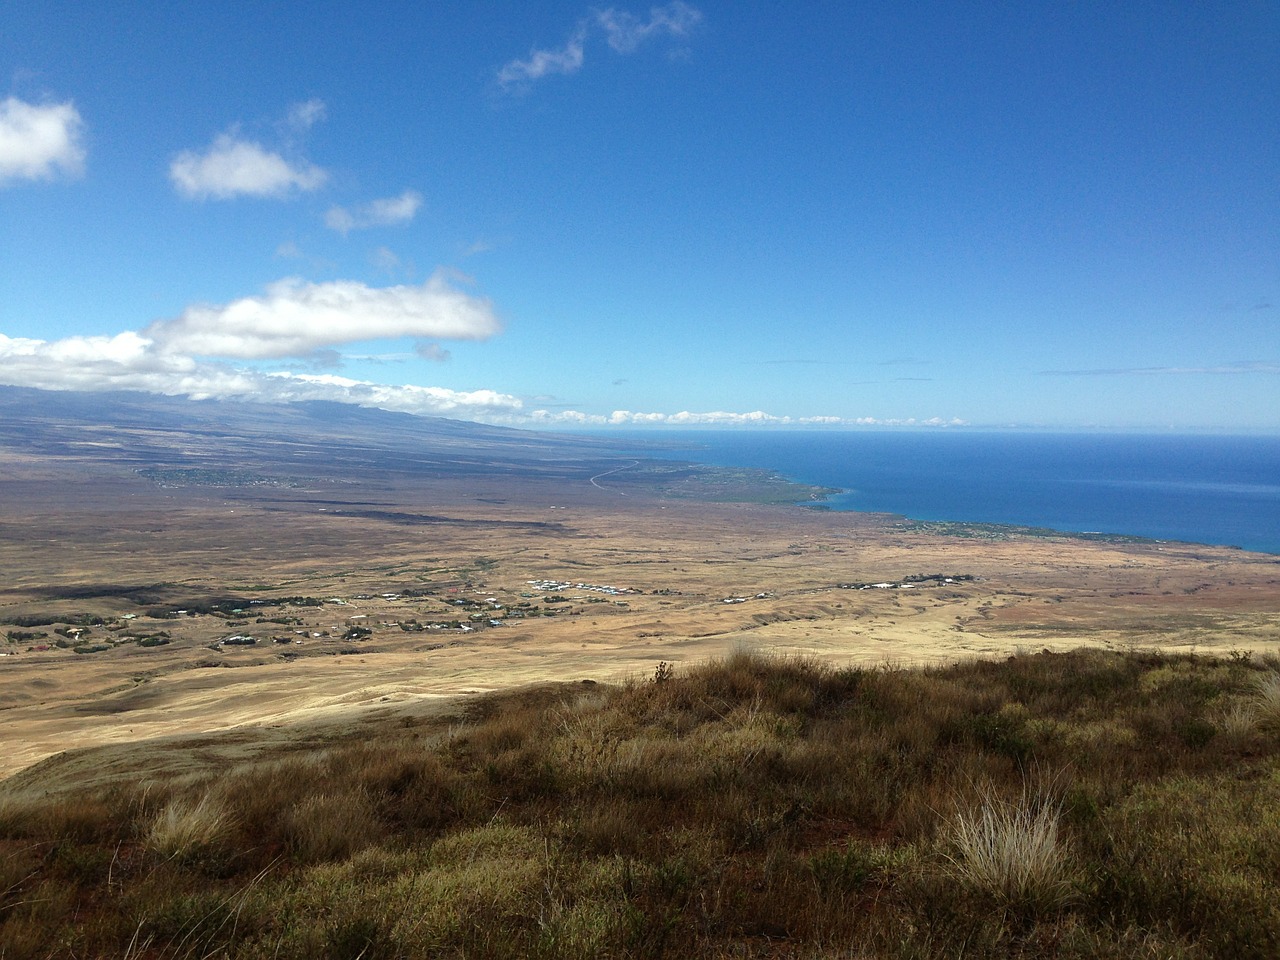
[(109, 544)]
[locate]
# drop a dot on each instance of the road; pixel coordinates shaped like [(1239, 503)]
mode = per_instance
[(626, 466)]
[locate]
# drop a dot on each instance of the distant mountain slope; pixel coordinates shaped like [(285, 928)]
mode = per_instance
[(128, 409), (146, 429), (176, 442)]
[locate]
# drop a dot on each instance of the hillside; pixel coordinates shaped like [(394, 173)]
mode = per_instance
[(1051, 805)]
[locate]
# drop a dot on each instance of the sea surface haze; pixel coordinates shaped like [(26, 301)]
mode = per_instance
[(1203, 489)]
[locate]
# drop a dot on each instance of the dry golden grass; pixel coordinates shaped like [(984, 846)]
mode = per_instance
[(1267, 705), (684, 559), (186, 827), (1013, 851)]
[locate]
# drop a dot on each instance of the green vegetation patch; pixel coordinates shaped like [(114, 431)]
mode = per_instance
[(1006, 531), (686, 481)]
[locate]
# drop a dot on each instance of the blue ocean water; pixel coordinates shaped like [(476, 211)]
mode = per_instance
[(1203, 489)]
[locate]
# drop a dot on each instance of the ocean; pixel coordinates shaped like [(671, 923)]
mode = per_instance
[(1203, 489)]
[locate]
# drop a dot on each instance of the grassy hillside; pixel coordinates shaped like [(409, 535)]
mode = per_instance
[(1072, 805)]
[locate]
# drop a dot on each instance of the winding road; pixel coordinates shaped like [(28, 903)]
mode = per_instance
[(626, 466)]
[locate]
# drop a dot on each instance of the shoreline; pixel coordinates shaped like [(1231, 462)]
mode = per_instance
[(1165, 491)]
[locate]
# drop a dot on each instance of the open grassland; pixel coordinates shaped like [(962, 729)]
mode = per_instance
[(130, 611), (1078, 804)]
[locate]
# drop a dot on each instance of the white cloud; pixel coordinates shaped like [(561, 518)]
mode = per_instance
[(296, 319), (541, 63), (623, 31), (39, 141), (131, 362), (434, 401), (722, 418), (234, 167), (292, 319), (188, 356), (377, 213), (126, 361)]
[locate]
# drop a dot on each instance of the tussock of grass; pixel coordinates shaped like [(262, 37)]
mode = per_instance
[(1013, 852), (1267, 688), (751, 806), (185, 828)]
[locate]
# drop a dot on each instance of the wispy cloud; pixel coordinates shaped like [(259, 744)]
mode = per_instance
[(386, 260), (1239, 367), (432, 351), (624, 33), (40, 141), (303, 116), (562, 61), (234, 166), (388, 211)]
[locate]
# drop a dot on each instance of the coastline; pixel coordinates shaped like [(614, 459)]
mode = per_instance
[(1214, 491)]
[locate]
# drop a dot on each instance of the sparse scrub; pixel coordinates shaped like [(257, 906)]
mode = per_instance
[(745, 807)]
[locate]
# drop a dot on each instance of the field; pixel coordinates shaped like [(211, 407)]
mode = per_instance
[(262, 686)]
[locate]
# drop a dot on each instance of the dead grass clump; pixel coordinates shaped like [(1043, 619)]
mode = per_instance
[(1237, 723), (185, 828), (1012, 852), (1267, 700)]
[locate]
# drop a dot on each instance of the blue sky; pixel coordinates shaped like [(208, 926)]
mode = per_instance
[(1059, 215)]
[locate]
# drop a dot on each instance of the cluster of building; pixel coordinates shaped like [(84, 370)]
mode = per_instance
[(557, 585)]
